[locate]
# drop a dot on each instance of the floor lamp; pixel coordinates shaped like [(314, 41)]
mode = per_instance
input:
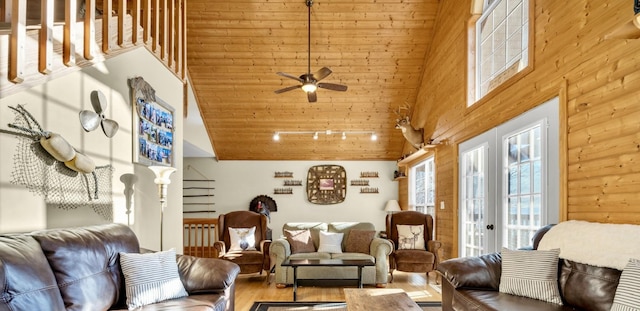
[(162, 180)]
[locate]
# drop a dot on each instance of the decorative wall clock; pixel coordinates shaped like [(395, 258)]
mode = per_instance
[(326, 184)]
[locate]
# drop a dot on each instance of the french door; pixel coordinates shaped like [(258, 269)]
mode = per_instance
[(508, 182)]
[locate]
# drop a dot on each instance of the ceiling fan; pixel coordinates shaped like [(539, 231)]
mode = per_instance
[(311, 82)]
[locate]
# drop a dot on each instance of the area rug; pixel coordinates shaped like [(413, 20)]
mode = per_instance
[(325, 306)]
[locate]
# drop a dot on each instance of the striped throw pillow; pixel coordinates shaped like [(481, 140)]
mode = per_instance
[(532, 274), (627, 298), (151, 278)]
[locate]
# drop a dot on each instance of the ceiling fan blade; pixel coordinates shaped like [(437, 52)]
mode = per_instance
[(312, 97), (286, 75), (98, 101), (89, 120), (286, 89), (109, 127), (333, 87), (322, 73)]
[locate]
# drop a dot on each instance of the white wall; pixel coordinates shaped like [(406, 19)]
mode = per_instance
[(238, 182), (56, 105)]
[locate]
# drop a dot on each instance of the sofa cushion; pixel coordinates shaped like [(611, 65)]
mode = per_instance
[(314, 228), (626, 297), (242, 239), (346, 227), (26, 280), (411, 237), (352, 256), (86, 265), (330, 242), (359, 241), (471, 299), (532, 274), (576, 277), (300, 241), (151, 278)]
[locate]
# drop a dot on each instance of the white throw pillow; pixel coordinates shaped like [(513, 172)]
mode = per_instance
[(151, 278), (330, 242), (242, 239), (627, 298), (532, 274), (410, 237)]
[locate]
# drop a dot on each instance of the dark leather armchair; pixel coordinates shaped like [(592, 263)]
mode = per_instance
[(412, 260), (250, 261)]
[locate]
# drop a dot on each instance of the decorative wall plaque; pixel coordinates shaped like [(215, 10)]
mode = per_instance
[(326, 184)]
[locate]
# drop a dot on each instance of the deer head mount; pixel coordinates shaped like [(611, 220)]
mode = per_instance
[(413, 136)]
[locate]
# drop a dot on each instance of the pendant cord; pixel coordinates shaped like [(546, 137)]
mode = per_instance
[(309, 3)]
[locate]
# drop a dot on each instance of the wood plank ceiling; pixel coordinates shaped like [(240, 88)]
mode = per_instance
[(375, 47)]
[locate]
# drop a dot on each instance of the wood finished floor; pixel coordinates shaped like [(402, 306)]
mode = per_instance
[(253, 287)]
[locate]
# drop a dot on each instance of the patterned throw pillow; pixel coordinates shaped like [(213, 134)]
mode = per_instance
[(151, 278), (532, 274), (359, 241), (300, 241), (330, 242), (627, 298), (410, 237), (242, 239)]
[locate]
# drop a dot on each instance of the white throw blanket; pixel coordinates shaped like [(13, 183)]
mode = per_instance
[(597, 244)]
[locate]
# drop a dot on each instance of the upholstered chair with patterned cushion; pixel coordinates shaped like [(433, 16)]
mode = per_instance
[(242, 240), (414, 249)]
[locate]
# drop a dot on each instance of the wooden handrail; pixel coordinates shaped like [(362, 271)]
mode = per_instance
[(70, 43), (199, 237)]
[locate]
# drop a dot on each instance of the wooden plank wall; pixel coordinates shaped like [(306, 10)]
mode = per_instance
[(602, 104)]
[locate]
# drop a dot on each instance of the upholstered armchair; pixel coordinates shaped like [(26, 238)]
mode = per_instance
[(246, 247), (414, 249)]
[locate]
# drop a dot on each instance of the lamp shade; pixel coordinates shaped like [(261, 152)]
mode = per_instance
[(162, 174), (392, 206)]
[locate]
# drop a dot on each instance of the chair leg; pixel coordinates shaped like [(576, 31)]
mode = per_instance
[(427, 278), (391, 272)]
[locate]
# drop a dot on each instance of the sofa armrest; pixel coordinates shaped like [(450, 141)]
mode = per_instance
[(279, 250), (380, 249), (434, 247), (482, 272), (206, 274), (220, 248)]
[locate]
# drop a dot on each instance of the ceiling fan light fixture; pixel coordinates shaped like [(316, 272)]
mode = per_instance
[(315, 136), (309, 87), (276, 136)]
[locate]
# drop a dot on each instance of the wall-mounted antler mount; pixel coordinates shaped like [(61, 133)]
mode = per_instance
[(414, 136)]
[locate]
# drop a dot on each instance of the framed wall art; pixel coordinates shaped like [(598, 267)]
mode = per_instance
[(152, 124), (326, 184)]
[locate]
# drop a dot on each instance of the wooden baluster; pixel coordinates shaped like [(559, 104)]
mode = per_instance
[(135, 20), (89, 28), (146, 21), (45, 37), (171, 9), (107, 7), (177, 43), (163, 29), (183, 41), (122, 13), (69, 38), (155, 27), (17, 40)]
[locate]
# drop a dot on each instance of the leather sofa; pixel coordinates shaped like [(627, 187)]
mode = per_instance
[(379, 251), (79, 269), (472, 283)]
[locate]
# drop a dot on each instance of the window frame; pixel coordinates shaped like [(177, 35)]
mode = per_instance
[(430, 173), (477, 7)]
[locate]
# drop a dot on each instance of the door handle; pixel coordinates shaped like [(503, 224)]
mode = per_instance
[(490, 227)]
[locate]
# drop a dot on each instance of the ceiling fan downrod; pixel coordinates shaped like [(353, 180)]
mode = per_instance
[(309, 4)]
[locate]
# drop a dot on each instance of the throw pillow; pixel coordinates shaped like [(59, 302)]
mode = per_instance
[(151, 278), (330, 242), (532, 274), (626, 298), (410, 237), (242, 239), (300, 241), (358, 241)]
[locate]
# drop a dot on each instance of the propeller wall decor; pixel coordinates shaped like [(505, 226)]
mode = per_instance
[(90, 120), (311, 82)]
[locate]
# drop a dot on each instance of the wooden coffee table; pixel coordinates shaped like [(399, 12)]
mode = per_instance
[(296, 263), (370, 299)]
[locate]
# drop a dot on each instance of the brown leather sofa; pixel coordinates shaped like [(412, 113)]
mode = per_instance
[(79, 269), (472, 283)]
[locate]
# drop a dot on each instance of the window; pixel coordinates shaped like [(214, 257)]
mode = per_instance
[(422, 185), (500, 43)]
